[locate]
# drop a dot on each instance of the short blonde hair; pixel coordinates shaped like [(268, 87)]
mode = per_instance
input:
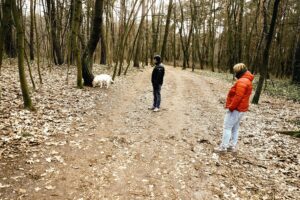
[(239, 67)]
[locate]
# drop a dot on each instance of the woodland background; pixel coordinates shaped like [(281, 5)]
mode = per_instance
[(215, 35)]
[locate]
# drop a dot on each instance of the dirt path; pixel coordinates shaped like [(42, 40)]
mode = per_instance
[(134, 153)]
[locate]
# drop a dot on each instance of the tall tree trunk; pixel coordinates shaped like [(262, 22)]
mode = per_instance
[(211, 37), (87, 57), (29, 70), (249, 38), (240, 32), (55, 37), (296, 59), (268, 41), (108, 37), (136, 61), (9, 43), (129, 24), (174, 35), (103, 43), (185, 53), (168, 21), (75, 38), (20, 42), (155, 30), (230, 47), (37, 44), (1, 38), (31, 42), (147, 39), (88, 20)]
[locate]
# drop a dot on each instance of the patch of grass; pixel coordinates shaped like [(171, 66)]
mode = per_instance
[(297, 122), (26, 134), (218, 75), (291, 133), (283, 88)]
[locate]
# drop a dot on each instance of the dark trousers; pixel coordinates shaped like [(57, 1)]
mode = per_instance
[(157, 97)]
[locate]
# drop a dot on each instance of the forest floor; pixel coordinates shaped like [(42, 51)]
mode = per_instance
[(105, 144)]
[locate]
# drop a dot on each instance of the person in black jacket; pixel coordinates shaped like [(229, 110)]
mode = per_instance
[(157, 80)]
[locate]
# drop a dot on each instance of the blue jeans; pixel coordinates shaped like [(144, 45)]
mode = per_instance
[(231, 128), (157, 97)]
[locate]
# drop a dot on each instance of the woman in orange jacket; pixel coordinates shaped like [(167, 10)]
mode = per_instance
[(237, 104)]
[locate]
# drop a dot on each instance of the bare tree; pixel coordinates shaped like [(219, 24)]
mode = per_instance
[(268, 40), (7, 24), (20, 43), (167, 27), (87, 57)]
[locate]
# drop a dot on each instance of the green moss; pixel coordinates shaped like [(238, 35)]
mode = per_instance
[(26, 134)]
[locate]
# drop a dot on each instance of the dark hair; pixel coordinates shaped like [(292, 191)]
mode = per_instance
[(157, 58), (240, 73)]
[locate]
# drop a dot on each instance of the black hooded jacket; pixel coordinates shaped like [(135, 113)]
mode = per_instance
[(158, 75)]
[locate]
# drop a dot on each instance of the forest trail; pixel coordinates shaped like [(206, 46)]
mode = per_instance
[(134, 153)]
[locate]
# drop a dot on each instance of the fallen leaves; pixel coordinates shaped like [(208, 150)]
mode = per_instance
[(50, 187), (167, 155), (61, 109), (4, 185), (55, 159)]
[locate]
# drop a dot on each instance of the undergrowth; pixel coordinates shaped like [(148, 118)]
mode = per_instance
[(274, 87)]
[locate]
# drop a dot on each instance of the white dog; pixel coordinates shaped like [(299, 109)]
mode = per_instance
[(102, 79)]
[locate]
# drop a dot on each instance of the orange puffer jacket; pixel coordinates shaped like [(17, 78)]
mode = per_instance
[(239, 95)]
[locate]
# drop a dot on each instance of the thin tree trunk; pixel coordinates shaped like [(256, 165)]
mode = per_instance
[(164, 44), (136, 38), (136, 62), (174, 32), (1, 38), (268, 41), (240, 31), (296, 59), (75, 38), (87, 57), (29, 70), (55, 37), (9, 43), (230, 48), (123, 40), (147, 39), (37, 44), (155, 31), (20, 43), (211, 37), (31, 42), (249, 39), (103, 56)]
